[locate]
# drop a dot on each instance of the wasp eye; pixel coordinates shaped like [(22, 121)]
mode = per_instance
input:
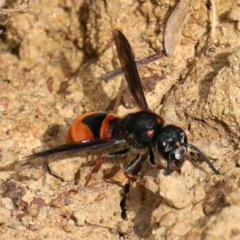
[(168, 147)]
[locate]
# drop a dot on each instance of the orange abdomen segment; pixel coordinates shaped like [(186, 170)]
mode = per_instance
[(79, 131), (106, 130), (90, 126)]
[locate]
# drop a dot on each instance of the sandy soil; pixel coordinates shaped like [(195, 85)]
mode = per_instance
[(52, 58)]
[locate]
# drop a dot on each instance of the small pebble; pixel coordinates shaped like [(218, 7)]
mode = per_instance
[(7, 143), (116, 175), (235, 14), (174, 191), (65, 169), (168, 219), (4, 102), (6, 158), (30, 174), (5, 215), (68, 227), (80, 217)]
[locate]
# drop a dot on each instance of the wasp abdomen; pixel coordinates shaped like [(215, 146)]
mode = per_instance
[(92, 125)]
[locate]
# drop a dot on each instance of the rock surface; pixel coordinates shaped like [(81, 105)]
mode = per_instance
[(53, 56)]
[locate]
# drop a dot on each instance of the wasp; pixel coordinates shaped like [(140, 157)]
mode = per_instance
[(142, 132)]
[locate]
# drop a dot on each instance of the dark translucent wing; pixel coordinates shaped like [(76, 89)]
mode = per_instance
[(129, 69), (109, 76), (78, 147)]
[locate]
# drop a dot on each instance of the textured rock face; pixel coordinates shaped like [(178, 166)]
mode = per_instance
[(52, 58)]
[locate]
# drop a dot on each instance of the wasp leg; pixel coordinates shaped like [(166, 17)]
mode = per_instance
[(135, 166), (151, 160), (158, 166), (95, 169), (101, 160), (120, 153)]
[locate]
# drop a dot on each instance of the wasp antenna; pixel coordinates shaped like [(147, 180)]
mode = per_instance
[(203, 157)]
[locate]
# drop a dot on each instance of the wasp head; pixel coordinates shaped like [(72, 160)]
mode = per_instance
[(170, 142)]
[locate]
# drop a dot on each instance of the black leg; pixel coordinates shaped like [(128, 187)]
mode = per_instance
[(120, 153), (135, 166), (151, 158), (152, 161)]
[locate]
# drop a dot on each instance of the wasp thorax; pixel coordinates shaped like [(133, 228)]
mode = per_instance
[(139, 128)]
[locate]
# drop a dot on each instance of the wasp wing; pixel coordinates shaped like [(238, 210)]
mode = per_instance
[(66, 148), (78, 147), (129, 69)]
